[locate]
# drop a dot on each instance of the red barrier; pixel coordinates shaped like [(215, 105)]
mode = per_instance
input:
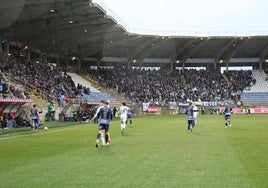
[(153, 109), (252, 111)]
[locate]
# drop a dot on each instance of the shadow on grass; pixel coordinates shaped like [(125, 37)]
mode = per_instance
[(198, 133), (104, 150)]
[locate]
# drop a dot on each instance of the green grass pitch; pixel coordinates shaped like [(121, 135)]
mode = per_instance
[(157, 152)]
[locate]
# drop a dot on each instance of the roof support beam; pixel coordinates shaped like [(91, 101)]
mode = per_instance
[(263, 53), (223, 49), (234, 49), (192, 46)]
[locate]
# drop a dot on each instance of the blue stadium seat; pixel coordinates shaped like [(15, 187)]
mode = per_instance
[(255, 98)]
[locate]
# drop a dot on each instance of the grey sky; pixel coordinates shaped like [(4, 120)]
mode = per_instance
[(191, 17)]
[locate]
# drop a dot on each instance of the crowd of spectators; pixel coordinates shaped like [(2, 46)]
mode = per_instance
[(42, 77), (240, 79), (161, 86)]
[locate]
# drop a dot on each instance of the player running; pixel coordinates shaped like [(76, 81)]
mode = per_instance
[(123, 110), (129, 116), (104, 114), (227, 114), (107, 133), (195, 109), (190, 117)]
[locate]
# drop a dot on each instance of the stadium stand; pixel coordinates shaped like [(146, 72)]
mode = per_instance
[(255, 98), (25, 59), (94, 95), (79, 80), (178, 85), (257, 92), (261, 85)]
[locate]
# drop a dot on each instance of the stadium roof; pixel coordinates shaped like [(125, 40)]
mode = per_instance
[(85, 30)]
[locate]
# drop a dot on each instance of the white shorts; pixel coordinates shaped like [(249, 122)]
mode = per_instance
[(123, 118)]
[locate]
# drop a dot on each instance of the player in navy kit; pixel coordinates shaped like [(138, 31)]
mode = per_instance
[(129, 116), (104, 114), (190, 117), (107, 133), (227, 114)]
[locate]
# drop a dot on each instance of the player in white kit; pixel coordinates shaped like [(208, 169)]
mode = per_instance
[(123, 110), (195, 112)]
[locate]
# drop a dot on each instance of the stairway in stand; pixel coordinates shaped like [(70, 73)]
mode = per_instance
[(80, 80), (95, 94)]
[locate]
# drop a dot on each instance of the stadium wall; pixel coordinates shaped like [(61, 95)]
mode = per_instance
[(165, 110)]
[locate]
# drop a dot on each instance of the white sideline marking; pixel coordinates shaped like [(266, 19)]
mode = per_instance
[(48, 131)]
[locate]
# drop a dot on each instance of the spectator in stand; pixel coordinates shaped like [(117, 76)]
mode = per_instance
[(1, 86), (2, 121), (9, 121), (61, 99)]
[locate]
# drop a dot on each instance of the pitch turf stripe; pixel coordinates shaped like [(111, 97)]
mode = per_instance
[(233, 162)]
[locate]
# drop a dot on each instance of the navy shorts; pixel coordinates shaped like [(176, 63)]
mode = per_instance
[(104, 127), (190, 121), (227, 117)]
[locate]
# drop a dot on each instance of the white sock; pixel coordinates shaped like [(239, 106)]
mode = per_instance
[(103, 141)]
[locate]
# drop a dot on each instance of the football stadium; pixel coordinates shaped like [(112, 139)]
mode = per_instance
[(85, 102)]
